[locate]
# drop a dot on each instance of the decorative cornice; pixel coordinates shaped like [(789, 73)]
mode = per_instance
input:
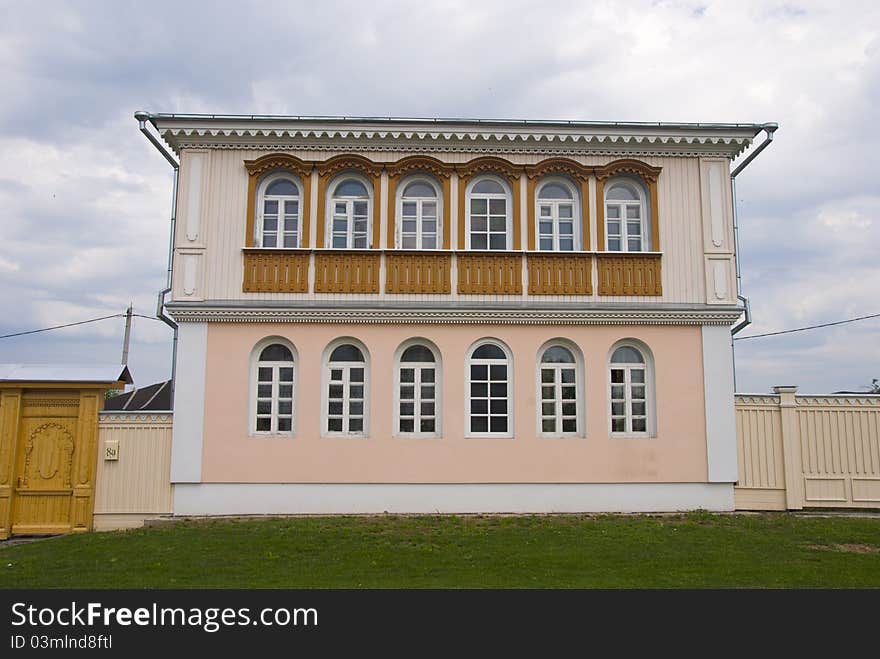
[(278, 161), (349, 161), (839, 400), (487, 164), (628, 166), (560, 166), (419, 164), (757, 399), (135, 418), (463, 316), (655, 141)]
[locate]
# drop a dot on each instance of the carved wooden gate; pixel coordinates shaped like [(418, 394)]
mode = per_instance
[(48, 451)]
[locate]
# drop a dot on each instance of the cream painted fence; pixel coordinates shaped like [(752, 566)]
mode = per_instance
[(807, 451), (134, 463)]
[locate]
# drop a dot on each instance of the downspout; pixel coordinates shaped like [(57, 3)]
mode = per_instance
[(142, 118), (769, 129)]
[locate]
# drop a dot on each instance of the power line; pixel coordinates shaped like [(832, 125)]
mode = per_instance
[(46, 329), (811, 327), (81, 322)]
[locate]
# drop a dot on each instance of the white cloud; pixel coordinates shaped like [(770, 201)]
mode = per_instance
[(85, 199)]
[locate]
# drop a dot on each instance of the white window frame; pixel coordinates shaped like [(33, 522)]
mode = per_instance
[(253, 382), (577, 240), (326, 366), (650, 391), (509, 434), (644, 210), (438, 389), (438, 220), (330, 210), (580, 390), (282, 200), (508, 207)]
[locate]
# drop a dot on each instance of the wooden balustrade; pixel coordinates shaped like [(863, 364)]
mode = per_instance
[(489, 274), (270, 271), (347, 272), (558, 274), (418, 273), (629, 274), (479, 273)]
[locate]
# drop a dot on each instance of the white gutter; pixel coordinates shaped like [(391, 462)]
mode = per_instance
[(142, 118)]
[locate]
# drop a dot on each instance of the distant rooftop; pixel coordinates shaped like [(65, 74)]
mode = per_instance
[(90, 373), (152, 398)]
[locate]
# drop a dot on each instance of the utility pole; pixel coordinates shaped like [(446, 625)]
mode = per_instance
[(127, 335)]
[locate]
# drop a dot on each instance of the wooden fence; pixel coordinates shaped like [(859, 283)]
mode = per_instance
[(799, 452), (134, 464)]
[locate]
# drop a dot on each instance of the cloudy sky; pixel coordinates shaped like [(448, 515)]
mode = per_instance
[(85, 200)]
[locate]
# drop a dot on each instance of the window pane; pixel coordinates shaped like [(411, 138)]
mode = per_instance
[(547, 375), (356, 375), (612, 212), (336, 374), (479, 389), (335, 391), (427, 409), (548, 409), (479, 206), (479, 424), (488, 351), (618, 425), (407, 392), (419, 189), (407, 425), (546, 244), (633, 212), (497, 224), (498, 424), (479, 406), (264, 390), (498, 241), (264, 424), (565, 210), (634, 245), (264, 374), (554, 191), (638, 391), (548, 393), (639, 425), (276, 353), (614, 245), (545, 227), (497, 206), (427, 375), (417, 353), (498, 372), (548, 425), (407, 375), (407, 409), (285, 407), (427, 425), (290, 240), (285, 374), (356, 391), (478, 241), (637, 375), (498, 406), (569, 409), (347, 353), (270, 223), (355, 425), (626, 355), (479, 371), (614, 228), (498, 390), (428, 392), (351, 188), (270, 241), (409, 209), (488, 186), (569, 425), (334, 425), (339, 242), (616, 373), (618, 408), (566, 229), (356, 407), (429, 209), (264, 407), (619, 191), (479, 224), (568, 375), (557, 355), (282, 187), (638, 408), (429, 242), (568, 393), (335, 407), (409, 242)]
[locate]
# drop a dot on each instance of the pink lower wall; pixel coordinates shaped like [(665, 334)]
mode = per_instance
[(676, 454)]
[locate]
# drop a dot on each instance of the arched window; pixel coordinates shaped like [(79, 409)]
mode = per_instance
[(350, 202), (489, 391), (560, 392), (278, 217), (346, 377), (631, 394), (626, 216), (489, 213), (418, 208), (274, 395), (557, 213), (417, 399)]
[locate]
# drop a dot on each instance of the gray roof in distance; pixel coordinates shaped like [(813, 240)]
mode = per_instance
[(89, 373)]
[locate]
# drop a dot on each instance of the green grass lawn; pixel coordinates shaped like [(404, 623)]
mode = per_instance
[(570, 551)]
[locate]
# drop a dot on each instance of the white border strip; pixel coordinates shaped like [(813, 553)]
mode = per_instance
[(189, 403), (343, 498)]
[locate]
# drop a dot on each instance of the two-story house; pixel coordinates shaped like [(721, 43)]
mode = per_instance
[(452, 315)]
